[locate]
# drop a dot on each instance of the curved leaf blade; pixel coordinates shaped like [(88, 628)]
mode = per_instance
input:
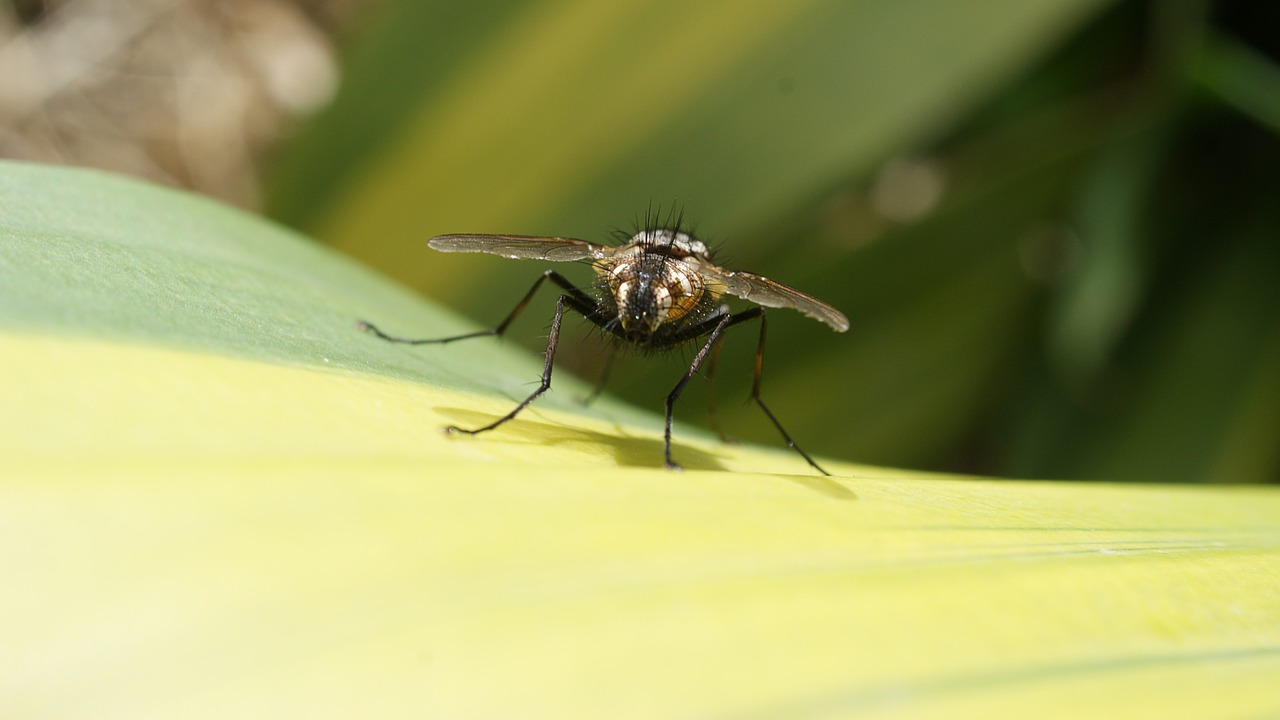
[(204, 523)]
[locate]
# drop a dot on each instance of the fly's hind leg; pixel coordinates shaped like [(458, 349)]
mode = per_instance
[(713, 415), (604, 376), (755, 395)]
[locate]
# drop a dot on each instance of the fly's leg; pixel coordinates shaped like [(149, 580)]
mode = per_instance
[(552, 341), (580, 302), (712, 415), (573, 298), (755, 395), (712, 340), (713, 333), (604, 376)]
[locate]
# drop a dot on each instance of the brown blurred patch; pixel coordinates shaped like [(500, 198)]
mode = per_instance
[(185, 92)]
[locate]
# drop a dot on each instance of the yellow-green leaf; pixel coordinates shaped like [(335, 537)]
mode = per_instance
[(219, 499), (567, 117)]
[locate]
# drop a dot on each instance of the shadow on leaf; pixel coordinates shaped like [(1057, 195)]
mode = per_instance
[(627, 450)]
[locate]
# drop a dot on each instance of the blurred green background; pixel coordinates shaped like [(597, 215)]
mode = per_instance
[(1053, 224)]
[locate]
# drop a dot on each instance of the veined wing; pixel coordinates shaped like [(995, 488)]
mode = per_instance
[(763, 291), (554, 249)]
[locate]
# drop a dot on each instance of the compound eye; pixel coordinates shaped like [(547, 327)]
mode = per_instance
[(661, 302)]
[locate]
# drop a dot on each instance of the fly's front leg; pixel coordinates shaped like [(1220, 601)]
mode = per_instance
[(580, 301), (712, 340), (553, 340)]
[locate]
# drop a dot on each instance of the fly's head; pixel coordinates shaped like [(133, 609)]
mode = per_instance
[(655, 284)]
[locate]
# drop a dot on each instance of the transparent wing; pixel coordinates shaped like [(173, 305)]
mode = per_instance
[(766, 292), (554, 249)]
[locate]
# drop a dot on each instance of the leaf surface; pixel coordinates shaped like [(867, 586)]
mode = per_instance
[(217, 498)]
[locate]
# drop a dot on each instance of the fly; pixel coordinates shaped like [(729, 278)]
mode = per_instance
[(657, 290)]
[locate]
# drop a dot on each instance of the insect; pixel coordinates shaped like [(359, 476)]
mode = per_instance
[(654, 291)]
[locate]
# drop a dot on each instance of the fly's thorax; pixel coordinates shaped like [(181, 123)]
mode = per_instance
[(666, 243), (671, 242)]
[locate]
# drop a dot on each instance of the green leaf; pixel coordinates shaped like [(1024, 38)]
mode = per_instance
[(218, 498), (1242, 77)]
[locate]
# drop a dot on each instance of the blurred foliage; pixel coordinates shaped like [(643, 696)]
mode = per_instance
[(1052, 223)]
